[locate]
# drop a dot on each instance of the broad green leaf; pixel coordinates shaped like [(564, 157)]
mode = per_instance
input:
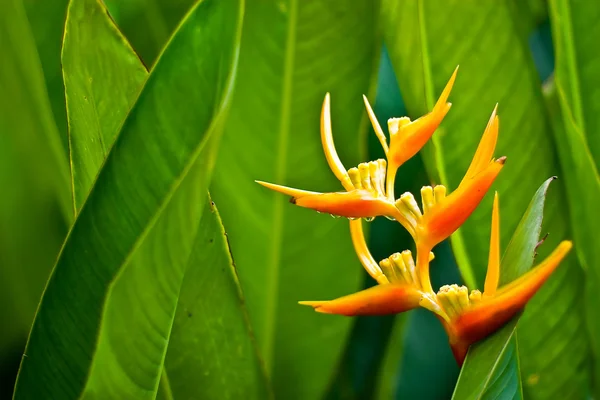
[(292, 53), (123, 263), (33, 176), (573, 108), (212, 353), (103, 77), (491, 368), (495, 66), (210, 308)]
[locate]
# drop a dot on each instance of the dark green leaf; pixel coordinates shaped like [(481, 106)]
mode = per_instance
[(129, 246), (148, 24), (212, 354), (33, 176), (47, 21), (491, 369), (427, 39), (292, 53)]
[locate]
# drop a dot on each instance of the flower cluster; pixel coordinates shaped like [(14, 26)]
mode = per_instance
[(403, 280)]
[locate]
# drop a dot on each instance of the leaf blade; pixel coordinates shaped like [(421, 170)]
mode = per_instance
[(275, 119)]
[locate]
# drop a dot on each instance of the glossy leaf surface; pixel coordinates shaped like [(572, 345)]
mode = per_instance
[(574, 107)]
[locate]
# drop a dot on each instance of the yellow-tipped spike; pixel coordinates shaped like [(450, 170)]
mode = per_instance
[(295, 193), (376, 126), (443, 99), (493, 271), (329, 148), (485, 149), (364, 255)]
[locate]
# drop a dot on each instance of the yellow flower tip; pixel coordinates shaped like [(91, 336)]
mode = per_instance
[(329, 148), (407, 138), (442, 103), (493, 272), (376, 126), (295, 193), (485, 149)]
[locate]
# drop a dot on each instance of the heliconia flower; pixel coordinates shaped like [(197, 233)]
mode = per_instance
[(408, 137), (467, 318), (403, 281)]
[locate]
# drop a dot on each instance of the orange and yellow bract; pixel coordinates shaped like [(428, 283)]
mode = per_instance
[(403, 281)]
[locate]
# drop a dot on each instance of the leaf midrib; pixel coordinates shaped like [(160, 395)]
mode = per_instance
[(280, 175), (571, 60)]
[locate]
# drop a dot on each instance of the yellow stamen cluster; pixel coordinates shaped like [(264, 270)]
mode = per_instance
[(455, 299), (369, 176), (401, 268), (409, 208)]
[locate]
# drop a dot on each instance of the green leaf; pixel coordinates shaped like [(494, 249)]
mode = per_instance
[(212, 353), (492, 368), (426, 41), (123, 263), (103, 77), (573, 107), (25, 107), (285, 254), (47, 21)]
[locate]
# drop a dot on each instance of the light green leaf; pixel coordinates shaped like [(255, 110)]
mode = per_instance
[(103, 77), (427, 39), (293, 52), (492, 368), (574, 110), (129, 246)]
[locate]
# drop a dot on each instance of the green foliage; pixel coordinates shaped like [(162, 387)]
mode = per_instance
[(486, 77), (120, 116), (136, 255)]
